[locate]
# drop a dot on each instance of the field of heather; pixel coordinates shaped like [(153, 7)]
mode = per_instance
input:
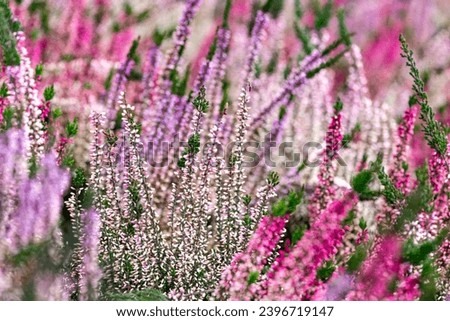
[(260, 150)]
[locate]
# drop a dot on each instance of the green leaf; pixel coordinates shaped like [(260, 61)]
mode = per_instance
[(181, 162), (327, 64), (132, 53), (360, 183), (252, 277), (273, 178), (4, 91), (79, 178), (273, 7), (8, 116), (428, 280), (72, 128), (362, 223), (39, 70), (348, 220), (49, 93), (226, 14), (343, 31), (322, 14), (338, 106), (246, 200), (326, 271), (287, 204), (298, 234), (357, 259)]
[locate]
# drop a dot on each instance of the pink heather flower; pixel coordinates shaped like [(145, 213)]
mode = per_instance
[(325, 191), (292, 277), (380, 271), (399, 175), (120, 43), (428, 225), (234, 283)]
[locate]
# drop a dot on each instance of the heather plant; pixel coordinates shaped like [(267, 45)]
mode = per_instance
[(141, 162)]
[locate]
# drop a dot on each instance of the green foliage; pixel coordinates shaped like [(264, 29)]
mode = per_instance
[(7, 40), (343, 31), (273, 178), (226, 14), (349, 137), (338, 106), (33, 166), (273, 7), (144, 295), (49, 93), (108, 80), (416, 201), (332, 46), (322, 14), (360, 184), (127, 8), (418, 253), (287, 204), (212, 49), (68, 161), (428, 280), (132, 53), (136, 207), (362, 223), (39, 70), (4, 91), (273, 62), (193, 144), (181, 162), (225, 96), (252, 277), (390, 192), (298, 9), (298, 234), (434, 131), (325, 271), (159, 36), (29, 252), (142, 16), (258, 68), (356, 260), (348, 220), (200, 103), (246, 199), (135, 75), (304, 37), (79, 178), (72, 128), (179, 85), (41, 8), (324, 65), (8, 116), (282, 112)]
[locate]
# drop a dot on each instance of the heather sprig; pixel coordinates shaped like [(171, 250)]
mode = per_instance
[(434, 131)]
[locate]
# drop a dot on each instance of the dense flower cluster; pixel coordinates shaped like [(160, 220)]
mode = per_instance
[(253, 150)]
